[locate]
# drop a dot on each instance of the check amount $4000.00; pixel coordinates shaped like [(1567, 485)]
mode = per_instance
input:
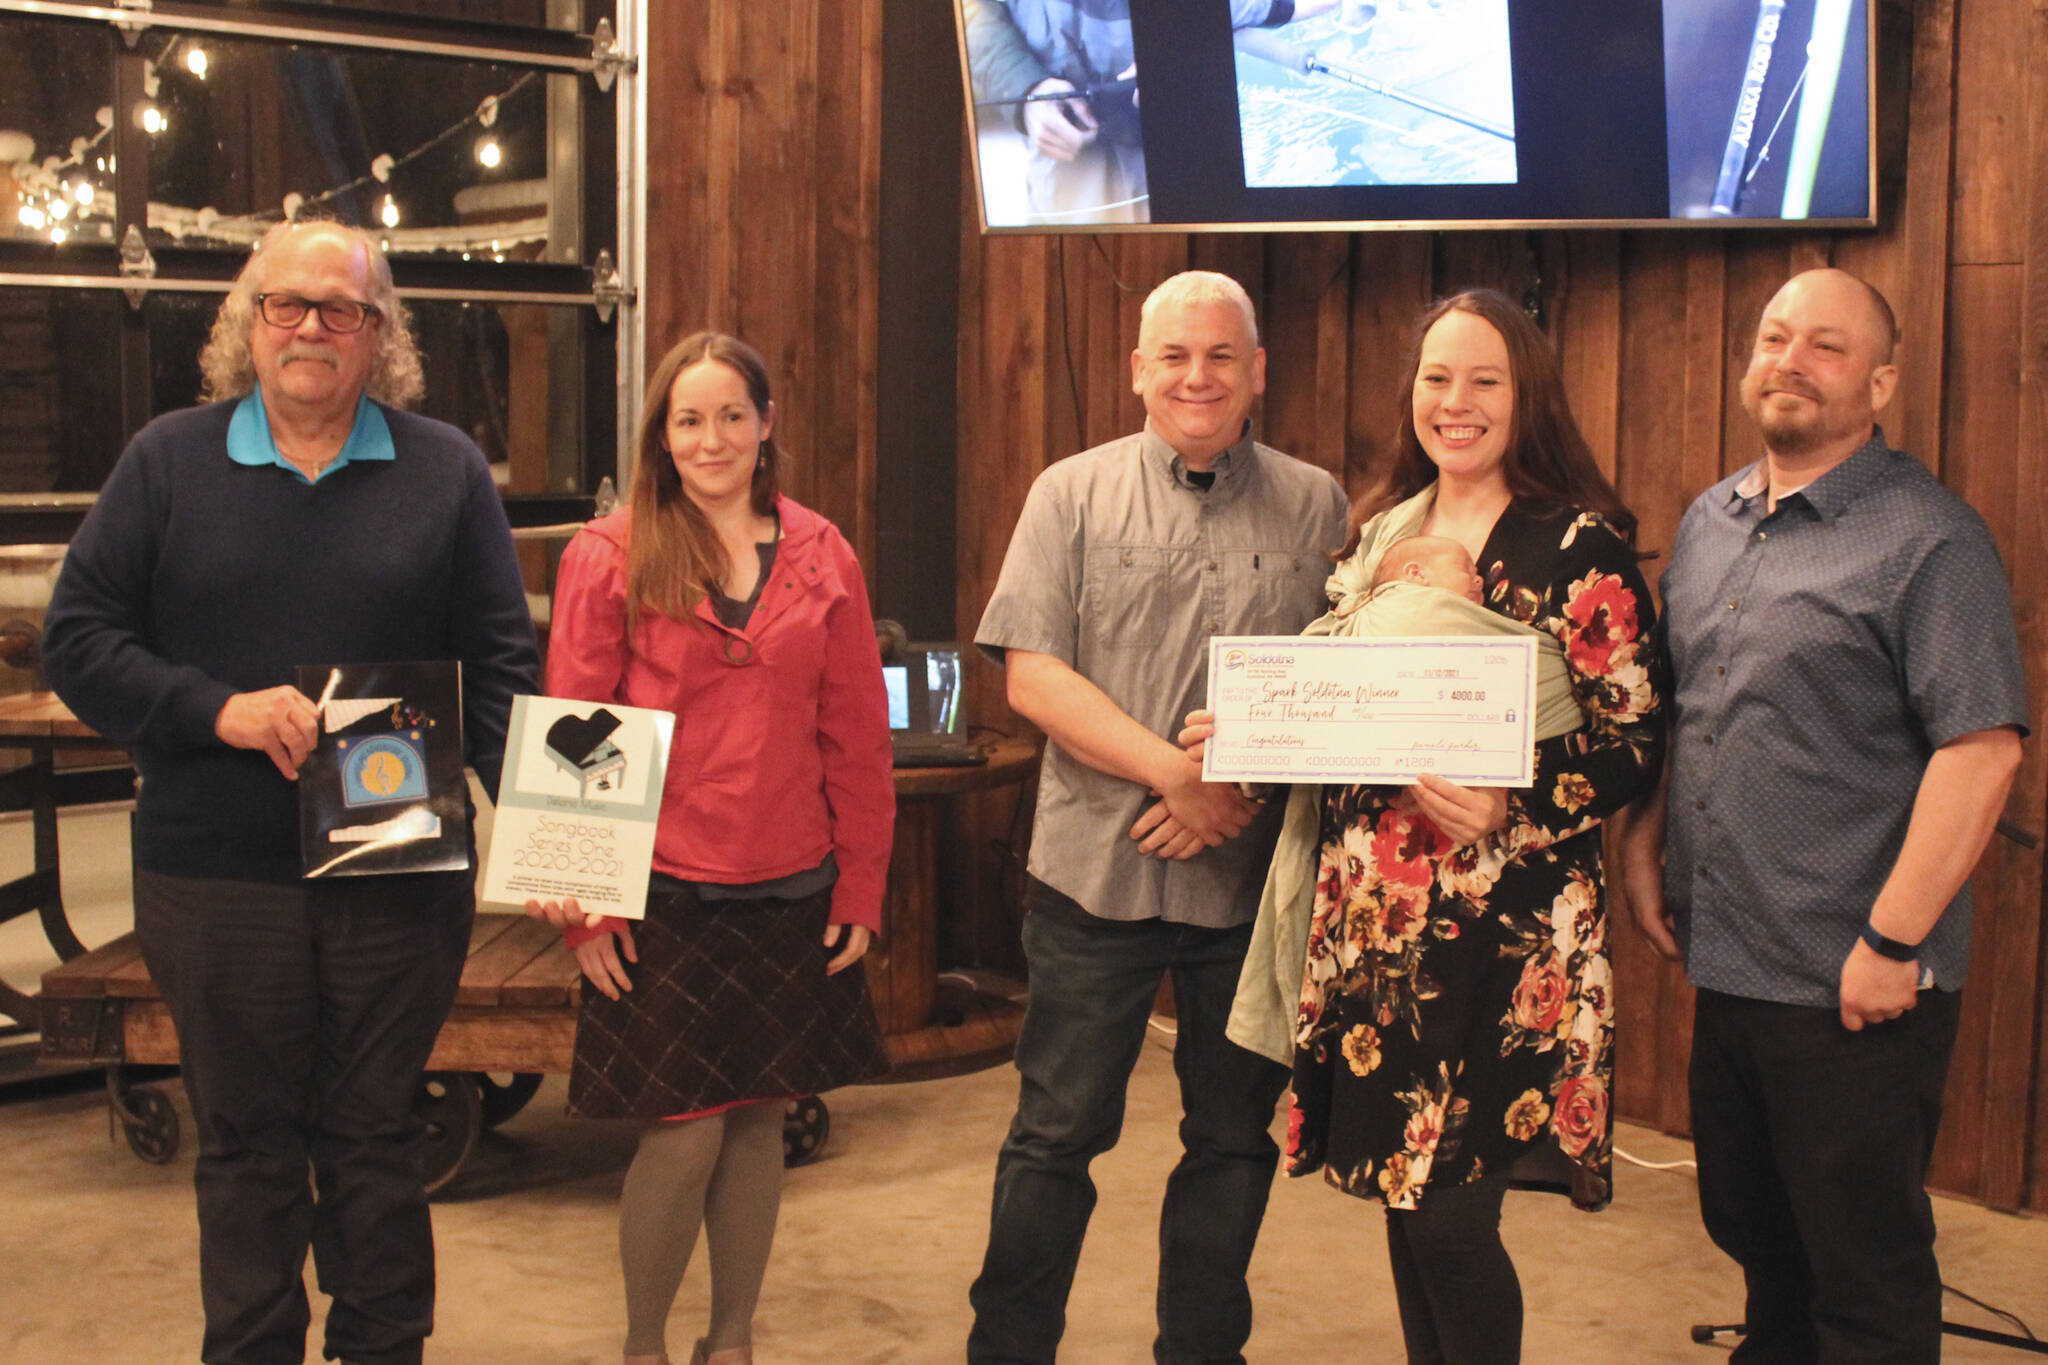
[(1321, 710)]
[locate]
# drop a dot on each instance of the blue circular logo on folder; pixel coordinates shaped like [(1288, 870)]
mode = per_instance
[(383, 768)]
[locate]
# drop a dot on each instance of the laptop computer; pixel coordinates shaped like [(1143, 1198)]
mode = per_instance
[(925, 685)]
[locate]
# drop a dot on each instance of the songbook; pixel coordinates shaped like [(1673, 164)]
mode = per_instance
[(578, 805), (383, 789)]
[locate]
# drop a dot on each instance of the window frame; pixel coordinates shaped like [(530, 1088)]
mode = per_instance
[(606, 280)]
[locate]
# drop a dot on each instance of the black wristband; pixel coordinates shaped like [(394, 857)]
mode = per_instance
[(1888, 947), (1281, 13)]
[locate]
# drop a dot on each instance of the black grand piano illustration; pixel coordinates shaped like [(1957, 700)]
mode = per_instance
[(582, 747)]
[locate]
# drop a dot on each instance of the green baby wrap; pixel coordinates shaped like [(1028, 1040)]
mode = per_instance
[(1269, 991)]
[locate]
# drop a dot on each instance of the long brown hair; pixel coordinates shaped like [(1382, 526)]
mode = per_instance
[(1548, 464), (672, 554)]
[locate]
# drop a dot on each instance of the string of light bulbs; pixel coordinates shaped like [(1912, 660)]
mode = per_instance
[(53, 203)]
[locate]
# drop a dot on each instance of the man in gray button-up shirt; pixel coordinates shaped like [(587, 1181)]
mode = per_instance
[(1846, 723), (1127, 558)]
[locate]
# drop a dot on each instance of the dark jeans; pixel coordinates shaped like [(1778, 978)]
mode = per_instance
[(1092, 987), (305, 1014), (1813, 1145), (1459, 1296)]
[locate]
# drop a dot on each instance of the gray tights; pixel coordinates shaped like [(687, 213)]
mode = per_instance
[(723, 1172)]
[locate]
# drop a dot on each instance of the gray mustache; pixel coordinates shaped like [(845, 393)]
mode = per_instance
[(319, 353)]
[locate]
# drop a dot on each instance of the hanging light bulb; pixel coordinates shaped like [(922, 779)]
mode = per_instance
[(60, 208), (388, 214), (152, 119), (195, 61), (57, 236), (33, 217), (488, 152), (83, 192)]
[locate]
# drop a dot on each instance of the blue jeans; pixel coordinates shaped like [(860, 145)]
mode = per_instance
[(1092, 986)]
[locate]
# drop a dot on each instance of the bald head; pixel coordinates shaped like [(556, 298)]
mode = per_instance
[(1852, 299), (1821, 371)]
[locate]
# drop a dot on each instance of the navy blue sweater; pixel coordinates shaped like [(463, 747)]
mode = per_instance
[(195, 578)]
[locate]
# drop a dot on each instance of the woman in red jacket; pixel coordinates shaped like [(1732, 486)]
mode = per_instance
[(712, 596)]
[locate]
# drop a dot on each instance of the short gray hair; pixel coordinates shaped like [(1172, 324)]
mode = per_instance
[(1197, 286), (397, 376)]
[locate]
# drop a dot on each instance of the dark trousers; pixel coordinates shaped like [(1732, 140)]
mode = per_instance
[(1459, 1296), (1813, 1145), (305, 1015), (1092, 987)]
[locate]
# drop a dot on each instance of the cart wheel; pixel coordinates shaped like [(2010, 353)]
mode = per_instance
[(805, 1125), (504, 1099), (153, 1131), (452, 1107)]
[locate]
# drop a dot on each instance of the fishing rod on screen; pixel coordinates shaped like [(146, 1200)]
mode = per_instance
[(1770, 15), (1825, 52), (1814, 91), (1295, 57)]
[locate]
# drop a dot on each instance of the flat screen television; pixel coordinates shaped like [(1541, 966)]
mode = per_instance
[(1192, 115)]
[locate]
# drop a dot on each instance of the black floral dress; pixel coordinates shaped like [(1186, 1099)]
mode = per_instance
[(1457, 1006)]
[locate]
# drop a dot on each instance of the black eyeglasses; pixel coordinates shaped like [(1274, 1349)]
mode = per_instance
[(336, 315)]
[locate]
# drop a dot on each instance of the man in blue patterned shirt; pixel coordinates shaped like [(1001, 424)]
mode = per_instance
[(1848, 708)]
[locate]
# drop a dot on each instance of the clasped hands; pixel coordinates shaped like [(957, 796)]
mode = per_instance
[(1192, 815), (601, 957)]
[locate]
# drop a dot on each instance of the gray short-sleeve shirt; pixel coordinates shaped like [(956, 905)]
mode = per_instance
[(1822, 653), (1122, 568)]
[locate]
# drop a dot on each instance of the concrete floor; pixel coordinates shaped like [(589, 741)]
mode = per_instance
[(878, 1240)]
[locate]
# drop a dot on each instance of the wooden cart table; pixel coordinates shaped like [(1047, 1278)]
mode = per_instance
[(933, 1031), (514, 1017), (39, 723)]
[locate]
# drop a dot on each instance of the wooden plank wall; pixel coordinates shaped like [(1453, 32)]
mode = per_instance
[(1653, 328), (764, 172), (763, 185)]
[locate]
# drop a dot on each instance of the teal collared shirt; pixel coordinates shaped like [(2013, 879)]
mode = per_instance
[(250, 442)]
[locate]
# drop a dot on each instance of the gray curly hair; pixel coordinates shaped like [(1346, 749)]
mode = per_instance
[(397, 378)]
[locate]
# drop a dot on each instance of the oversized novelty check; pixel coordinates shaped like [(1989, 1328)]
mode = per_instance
[(1294, 709)]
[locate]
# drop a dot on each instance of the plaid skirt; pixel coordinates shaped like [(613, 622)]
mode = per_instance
[(730, 1002)]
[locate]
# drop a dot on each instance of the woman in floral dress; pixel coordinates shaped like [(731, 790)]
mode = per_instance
[(1456, 1011)]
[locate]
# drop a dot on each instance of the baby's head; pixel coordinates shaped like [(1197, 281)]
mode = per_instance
[(1434, 562)]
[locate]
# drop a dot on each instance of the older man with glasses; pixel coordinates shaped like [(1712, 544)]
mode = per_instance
[(301, 517)]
